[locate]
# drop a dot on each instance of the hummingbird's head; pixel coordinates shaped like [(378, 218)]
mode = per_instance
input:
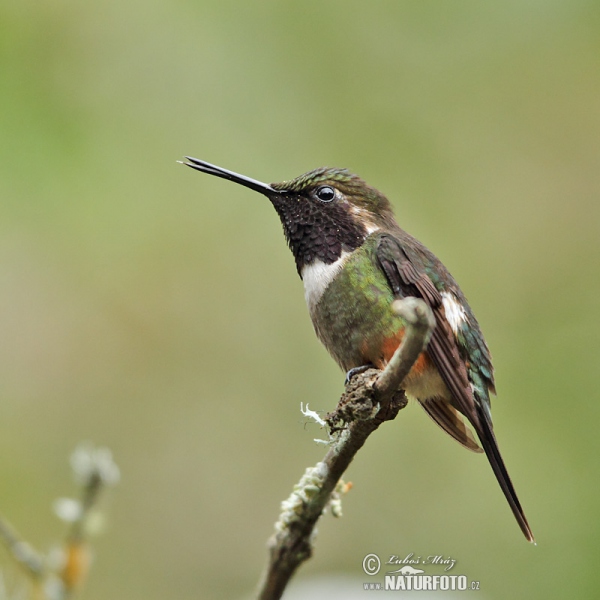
[(324, 212)]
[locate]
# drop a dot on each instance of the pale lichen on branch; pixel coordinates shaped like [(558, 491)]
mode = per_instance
[(370, 398)]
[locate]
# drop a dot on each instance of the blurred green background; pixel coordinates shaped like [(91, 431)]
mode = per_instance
[(157, 311)]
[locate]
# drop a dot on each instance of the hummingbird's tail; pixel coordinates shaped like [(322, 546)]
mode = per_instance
[(490, 446)]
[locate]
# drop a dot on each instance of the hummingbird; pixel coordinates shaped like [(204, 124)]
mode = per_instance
[(354, 261)]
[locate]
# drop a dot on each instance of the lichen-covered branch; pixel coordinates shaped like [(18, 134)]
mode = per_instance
[(369, 399)]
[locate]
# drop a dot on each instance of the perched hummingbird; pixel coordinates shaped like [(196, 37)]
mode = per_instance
[(354, 261)]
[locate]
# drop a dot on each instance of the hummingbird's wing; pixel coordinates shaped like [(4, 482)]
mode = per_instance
[(406, 276), (407, 280), (451, 421)]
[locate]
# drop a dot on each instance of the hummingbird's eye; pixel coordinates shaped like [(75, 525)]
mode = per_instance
[(325, 193)]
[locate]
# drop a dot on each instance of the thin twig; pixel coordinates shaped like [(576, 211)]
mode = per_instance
[(22, 552), (369, 399), (94, 469)]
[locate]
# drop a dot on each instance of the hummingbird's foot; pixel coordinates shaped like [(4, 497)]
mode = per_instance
[(356, 371)]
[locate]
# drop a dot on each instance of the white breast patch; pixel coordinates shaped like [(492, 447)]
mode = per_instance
[(317, 276)]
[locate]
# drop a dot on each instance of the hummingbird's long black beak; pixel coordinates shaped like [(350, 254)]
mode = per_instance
[(253, 184)]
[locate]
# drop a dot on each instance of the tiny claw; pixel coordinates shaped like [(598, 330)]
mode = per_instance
[(357, 371)]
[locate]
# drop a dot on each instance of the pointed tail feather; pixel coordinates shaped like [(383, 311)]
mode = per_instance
[(490, 446)]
